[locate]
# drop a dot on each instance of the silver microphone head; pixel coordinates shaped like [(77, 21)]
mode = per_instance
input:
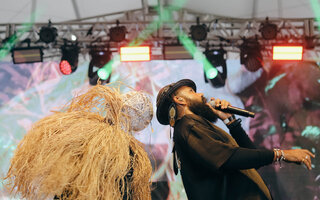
[(212, 103)]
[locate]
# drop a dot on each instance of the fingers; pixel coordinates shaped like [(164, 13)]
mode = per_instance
[(307, 162), (220, 103), (309, 153), (301, 156), (224, 104)]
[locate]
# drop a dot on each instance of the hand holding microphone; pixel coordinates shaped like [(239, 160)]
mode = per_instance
[(230, 109), (225, 106), (222, 104)]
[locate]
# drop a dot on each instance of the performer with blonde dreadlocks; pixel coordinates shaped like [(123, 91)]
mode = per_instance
[(86, 151)]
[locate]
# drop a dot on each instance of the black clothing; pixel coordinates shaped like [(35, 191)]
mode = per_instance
[(204, 151), (240, 135), (254, 158)]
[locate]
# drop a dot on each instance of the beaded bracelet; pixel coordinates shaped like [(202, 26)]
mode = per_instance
[(279, 156), (229, 119)]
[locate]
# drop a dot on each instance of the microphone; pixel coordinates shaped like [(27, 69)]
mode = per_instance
[(233, 110)]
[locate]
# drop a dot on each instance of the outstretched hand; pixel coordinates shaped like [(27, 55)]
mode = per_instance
[(299, 156)]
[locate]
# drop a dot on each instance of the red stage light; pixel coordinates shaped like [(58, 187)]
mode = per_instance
[(65, 67), (135, 53), (287, 52)]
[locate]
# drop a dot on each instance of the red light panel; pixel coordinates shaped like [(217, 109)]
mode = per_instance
[(141, 53), (287, 52), (65, 67)]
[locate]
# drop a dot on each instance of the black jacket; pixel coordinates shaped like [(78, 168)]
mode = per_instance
[(203, 148)]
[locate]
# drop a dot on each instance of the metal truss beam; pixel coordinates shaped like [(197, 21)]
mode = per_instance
[(222, 31)]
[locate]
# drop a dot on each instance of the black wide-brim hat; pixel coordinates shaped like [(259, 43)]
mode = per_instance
[(164, 99)]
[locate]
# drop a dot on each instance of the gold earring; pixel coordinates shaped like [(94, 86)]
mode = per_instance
[(172, 114)]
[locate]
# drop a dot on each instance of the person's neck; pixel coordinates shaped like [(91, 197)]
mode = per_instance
[(183, 111)]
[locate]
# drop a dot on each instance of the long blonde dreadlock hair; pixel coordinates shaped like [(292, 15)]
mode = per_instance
[(83, 152)]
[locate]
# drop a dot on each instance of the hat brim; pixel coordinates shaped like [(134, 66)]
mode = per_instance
[(165, 99)]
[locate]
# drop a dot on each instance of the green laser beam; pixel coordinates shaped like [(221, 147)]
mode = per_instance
[(106, 70), (11, 42), (210, 71), (315, 6), (165, 15)]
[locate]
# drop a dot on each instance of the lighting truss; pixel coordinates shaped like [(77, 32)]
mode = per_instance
[(222, 30)]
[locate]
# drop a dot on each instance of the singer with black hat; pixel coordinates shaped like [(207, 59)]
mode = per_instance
[(213, 164)]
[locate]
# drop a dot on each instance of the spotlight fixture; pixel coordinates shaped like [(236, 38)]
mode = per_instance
[(73, 37), (268, 30), (48, 34), (198, 32), (69, 59), (99, 58), (250, 54), (309, 42), (118, 33), (218, 75)]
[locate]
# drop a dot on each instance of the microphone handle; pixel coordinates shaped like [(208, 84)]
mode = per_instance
[(234, 110), (238, 111)]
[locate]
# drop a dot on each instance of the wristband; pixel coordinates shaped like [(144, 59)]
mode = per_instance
[(229, 119), (279, 154)]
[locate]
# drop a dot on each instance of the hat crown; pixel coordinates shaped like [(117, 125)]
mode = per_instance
[(163, 93), (164, 99)]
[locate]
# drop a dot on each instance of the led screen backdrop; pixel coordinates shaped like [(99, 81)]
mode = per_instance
[(285, 97)]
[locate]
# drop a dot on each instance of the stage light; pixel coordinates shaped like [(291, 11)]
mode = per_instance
[(65, 67), (175, 52), (99, 58), (27, 55), (309, 42), (268, 30), (73, 37), (287, 52), (141, 53), (218, 74), (211, 73), (104, 74), (48, 34), (118, 33), (198, 32), (250, 54), (69, 59)]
